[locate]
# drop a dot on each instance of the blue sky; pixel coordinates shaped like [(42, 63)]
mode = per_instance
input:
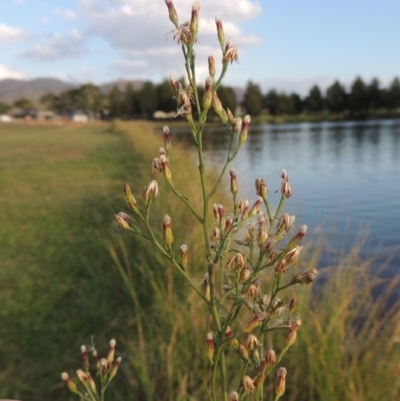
[(286, 44)]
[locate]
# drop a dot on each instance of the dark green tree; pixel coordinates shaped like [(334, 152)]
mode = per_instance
[(90, 100), (297, 103), (115, 102), (68, 101), (314, 102), (375, 95), (358, 99), (253, 99), (4, 107), (336, 98), (147, 99), (166, 96), (228, 98), (393, 94), (23, 104), (270, 102)]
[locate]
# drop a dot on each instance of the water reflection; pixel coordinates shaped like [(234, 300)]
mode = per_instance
[(344, 175)]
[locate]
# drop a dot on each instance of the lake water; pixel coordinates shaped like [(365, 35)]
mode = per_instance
[(344, 178)]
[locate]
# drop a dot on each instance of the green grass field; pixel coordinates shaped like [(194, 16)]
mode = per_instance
[(64, 278)]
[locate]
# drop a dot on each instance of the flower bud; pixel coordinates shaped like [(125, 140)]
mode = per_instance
[(111, 350), (262, 229), (208, 95), (292, 333), (295, 240), (228, 224), (217, 105), (231, 117), (115, 367), (306, 277), (167, 232), (245, 128), (245, 212), (156, 166), (71, 385), (166, 170), (184, 259), (211, 66), (129, 198), (238, 125), (85, 356), (194, 22), (173, 16), (220, 32), (254, 209), (292, 305), (244, 354), (285, 223), (245, 274), (248, 384), (167, 137), (280, 382), (234, 185), (210, 347), (81, 376), (216, 214), (91, 382)]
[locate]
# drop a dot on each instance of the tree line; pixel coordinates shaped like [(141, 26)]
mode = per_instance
[(359, 100)]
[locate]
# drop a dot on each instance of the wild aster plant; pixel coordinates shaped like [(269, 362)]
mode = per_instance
[(234, 281), (107, 368)]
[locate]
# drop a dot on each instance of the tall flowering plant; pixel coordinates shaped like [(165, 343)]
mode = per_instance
[(249, 253)]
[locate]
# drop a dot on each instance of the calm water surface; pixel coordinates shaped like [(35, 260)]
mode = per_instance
[(344, 177)]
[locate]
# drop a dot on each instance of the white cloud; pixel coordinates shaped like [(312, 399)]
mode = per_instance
[(9, 72), (138, 30), (65, 14), (57, 47), (9, 34)]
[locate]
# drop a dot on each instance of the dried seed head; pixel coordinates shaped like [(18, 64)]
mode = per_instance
[(124, 222), (151, 191), (173, 16), (285, 222), (263, 226), (284, 176), (292, 257), (208, 95), (248, 384), (220, 32), (280, 267), (245, 274), (234, 396), (280, 382), (306, 277), (234, 185), (261, 188), (156, 166), (286, 190), (252, 342), (215, 235), (270, 358), (252, 291), (211, 66), (231, 53), (254, 322)]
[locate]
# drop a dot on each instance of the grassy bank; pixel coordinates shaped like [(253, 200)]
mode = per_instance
[(65, 278)]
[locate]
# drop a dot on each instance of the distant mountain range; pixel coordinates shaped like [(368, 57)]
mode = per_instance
[(13, 89)]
